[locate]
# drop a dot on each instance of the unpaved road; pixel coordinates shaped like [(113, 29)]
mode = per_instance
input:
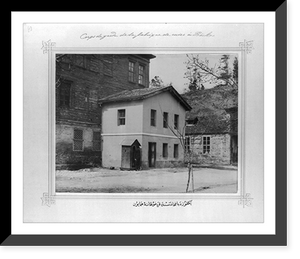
[(166, 180)]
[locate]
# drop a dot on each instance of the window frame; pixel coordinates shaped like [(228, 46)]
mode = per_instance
[(206, 147), (165, 150), (153, 118), (165, 120), (176, 151), (120, 119), (141, 74), (131, 73), (78, 140), (176, 121), (187, 144)]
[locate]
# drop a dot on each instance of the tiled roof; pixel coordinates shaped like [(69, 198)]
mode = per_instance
[(140, 94), (129, 94), (209, 125), (214, 123)]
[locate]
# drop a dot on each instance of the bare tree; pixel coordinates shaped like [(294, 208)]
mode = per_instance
[(179, 133), (199, 71), (198, 128)]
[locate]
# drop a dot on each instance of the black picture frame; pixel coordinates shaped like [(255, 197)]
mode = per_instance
[(278, 239)]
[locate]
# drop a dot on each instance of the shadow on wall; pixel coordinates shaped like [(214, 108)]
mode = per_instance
[(68, 159)]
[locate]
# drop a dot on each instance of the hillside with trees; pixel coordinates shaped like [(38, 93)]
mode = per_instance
[(211, 102)]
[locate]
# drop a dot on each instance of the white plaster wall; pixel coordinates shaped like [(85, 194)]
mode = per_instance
[(159, 147), (163, 102), (133, 117), (112, 149)]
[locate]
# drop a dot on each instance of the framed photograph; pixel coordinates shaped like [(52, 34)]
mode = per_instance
[(151, 132), (119, 132)]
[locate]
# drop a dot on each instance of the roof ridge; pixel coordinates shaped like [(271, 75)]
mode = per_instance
[(132, 90), (112, 95), (142, 93)]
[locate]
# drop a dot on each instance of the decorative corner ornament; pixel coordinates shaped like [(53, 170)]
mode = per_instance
[(47, 200), (47, 45), (247, 46), (246, 200)]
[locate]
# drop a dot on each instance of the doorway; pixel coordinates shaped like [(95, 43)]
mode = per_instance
[(136, 157), (131, 156)]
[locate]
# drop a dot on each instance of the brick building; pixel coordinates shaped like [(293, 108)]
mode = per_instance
[(82, 79)]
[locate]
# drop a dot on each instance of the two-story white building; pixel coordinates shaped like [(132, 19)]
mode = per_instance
[(140, 128)]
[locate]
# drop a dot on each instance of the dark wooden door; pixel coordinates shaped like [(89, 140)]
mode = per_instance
[(125, 162), (234, 149), (152, 154), (136, 158)]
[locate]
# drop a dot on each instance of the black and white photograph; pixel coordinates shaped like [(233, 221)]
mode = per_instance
[(148, 129), (144, 123)]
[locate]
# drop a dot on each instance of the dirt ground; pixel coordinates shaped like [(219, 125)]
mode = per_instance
[(166, 180)]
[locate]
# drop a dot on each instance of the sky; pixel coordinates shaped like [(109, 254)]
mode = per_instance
[(171, 68)]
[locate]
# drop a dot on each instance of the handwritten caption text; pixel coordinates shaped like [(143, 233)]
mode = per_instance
[(133, 35), (162, 204)]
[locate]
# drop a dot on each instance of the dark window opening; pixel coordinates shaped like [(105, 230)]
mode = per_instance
[(78, 140), (121, 117), (141, 74), (165, 150), (176, 121), (176, 150), (131, 71), (192, 121), (153, 118), (206, 144), (165, 122), (187, 144)]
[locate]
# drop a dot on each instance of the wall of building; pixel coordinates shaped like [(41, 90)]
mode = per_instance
[(163, 102), (219, 149), (133, 118), (113, 135), (161, 161), (112, 149), (91, 77), (66, 157), (138, 116), (137, 125), (118, 79), (93, 81)]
